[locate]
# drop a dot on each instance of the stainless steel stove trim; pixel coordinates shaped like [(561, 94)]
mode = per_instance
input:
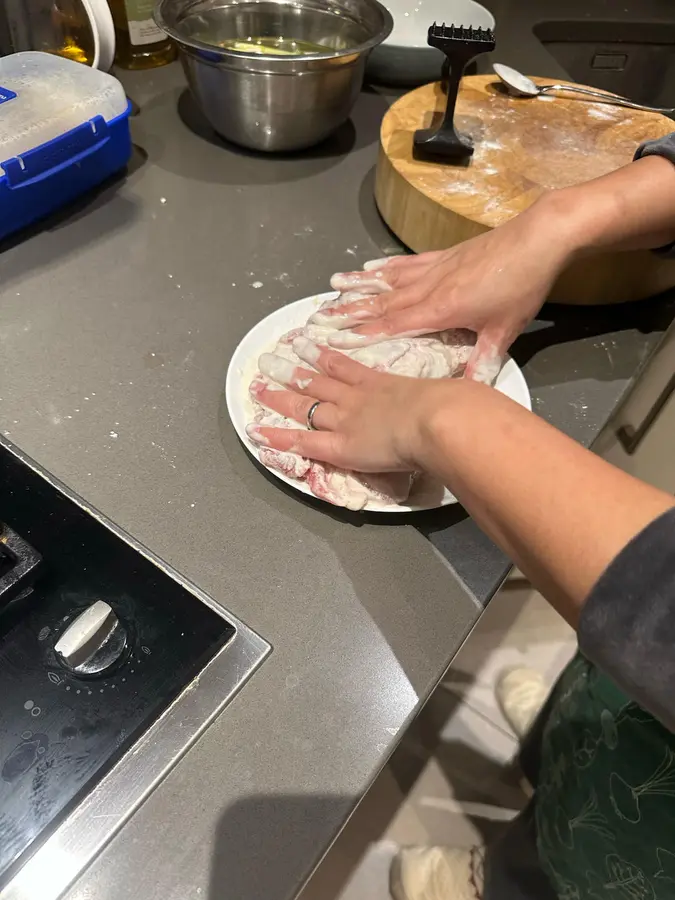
[(82, 836)]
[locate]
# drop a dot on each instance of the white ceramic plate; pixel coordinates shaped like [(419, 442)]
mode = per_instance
[(263, 337)]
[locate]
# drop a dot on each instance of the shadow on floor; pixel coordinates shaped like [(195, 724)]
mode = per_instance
[(446, 788), (438, 785), (250, 862), (479, 786)]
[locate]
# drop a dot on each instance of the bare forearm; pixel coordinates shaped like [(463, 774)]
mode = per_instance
[(630, 209), (560, 512)]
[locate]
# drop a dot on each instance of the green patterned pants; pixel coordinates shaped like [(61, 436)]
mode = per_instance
[(605, 798)]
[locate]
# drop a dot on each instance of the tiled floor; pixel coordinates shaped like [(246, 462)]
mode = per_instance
[(450, 782)]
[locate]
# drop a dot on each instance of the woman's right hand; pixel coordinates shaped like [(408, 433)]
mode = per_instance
[(493, 285)]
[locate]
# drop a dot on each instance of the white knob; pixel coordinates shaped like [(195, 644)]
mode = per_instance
[(86, 634)]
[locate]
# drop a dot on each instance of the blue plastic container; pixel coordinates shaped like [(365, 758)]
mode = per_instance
[(49, 176), (42, 179)]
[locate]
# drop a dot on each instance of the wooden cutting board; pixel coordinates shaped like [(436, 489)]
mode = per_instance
[(523, 147)]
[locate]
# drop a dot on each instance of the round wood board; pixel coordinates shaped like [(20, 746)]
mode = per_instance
[(523, 147)]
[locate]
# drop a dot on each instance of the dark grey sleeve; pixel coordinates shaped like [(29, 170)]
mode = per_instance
[(665, 147), (627, 626)]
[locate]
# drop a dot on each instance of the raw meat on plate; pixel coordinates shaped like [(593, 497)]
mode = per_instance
[(442, 355)]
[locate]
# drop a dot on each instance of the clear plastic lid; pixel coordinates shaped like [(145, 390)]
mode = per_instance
[(43, 95)]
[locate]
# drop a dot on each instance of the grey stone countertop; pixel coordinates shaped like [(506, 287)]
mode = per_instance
[(117, 323)]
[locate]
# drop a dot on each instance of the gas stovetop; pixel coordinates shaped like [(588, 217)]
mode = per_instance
[(97, 641)]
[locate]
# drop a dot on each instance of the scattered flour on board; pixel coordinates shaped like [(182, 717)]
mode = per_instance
[(462, 187), (489, 145), (603, 111)]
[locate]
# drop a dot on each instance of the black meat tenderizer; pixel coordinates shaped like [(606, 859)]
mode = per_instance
[(461, 46)]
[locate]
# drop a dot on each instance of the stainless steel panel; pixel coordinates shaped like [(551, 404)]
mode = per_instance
[(650, 394), (640, 438)]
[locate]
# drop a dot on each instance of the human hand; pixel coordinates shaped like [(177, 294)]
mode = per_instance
[(360, 421), (493, 285)]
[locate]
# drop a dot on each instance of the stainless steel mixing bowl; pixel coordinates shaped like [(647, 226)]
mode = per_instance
[(275, 103)]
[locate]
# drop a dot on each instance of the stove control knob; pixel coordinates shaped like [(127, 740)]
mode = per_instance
[(93, 642)]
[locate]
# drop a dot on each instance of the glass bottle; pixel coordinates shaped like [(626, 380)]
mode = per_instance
[(71, 32), (140, 43), (52, 26)]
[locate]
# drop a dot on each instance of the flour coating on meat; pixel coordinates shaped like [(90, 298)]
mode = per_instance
[(442, 355)]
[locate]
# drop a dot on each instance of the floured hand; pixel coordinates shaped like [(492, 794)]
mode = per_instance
[(368, 421), (439, 356), (493, 285)]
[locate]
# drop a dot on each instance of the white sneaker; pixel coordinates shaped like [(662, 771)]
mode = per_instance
[(437, 873), (521, 694)]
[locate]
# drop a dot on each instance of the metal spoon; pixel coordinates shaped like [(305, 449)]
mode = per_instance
[(522, 86)]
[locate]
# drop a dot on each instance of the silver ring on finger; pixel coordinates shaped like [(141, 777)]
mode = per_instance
[(310, 416)]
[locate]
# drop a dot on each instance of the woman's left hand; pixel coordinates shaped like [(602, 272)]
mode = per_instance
[(367, 421)]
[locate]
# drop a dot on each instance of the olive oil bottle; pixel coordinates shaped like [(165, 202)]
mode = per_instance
[(140, 43)]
